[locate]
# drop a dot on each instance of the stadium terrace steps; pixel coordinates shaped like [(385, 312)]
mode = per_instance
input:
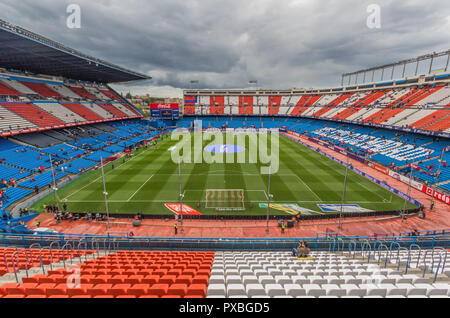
[(8, 91), (64, 91), (279, 274), (99, 111), (370, 99), (436, 97), (83, 111), (8, 172), (427, 93), (83, 93), (110, 94), (60, 112), (340, 99), (431, 118), (42, 89), (129, 274), (33, 114), (12, 121), (113, 110), (442, 124), (34, 263), (42, 180), (19, 87), (13, 195), (387, 115), (405, 116), (94, 91)]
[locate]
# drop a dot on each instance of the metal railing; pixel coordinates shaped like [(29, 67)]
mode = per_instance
[(113, 243)]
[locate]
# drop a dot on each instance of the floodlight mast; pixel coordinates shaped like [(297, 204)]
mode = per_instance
[(55, 189), (106, 195), (407, 194), (343, 195), (181, 196)]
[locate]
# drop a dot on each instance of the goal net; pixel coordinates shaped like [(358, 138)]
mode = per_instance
[(225, 199)]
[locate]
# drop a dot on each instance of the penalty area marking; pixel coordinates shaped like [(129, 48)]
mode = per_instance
[(95, 180), (140, 188)]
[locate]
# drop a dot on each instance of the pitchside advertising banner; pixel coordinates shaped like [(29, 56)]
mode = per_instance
[(165, 111)]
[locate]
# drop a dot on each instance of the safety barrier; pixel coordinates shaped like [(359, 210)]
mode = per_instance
[(111, 243)]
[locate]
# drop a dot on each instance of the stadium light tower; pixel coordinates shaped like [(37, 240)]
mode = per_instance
[(343, 195), (54, 182), (407, 194), (193, 82), (254, 82), (106, 195), (181, 196)]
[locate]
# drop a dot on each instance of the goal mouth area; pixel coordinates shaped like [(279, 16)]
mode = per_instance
[(225, 199)]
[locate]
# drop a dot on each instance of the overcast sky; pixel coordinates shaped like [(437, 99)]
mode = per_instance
[(225, 43)]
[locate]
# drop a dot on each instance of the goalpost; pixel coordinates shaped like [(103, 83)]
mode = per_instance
[(225, 199)]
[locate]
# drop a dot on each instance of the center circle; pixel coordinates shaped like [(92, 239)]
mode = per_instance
[(224, 148)]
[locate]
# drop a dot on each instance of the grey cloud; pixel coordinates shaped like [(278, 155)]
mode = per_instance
[(224, 44)]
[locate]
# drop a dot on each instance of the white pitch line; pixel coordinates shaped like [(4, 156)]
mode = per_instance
[(309, 188), (95, 180), (140, 187), (150, 201)]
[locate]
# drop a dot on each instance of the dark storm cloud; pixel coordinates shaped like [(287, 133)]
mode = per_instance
[(224, 44)]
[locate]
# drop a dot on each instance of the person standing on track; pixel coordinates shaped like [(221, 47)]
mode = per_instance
[(176, 229)]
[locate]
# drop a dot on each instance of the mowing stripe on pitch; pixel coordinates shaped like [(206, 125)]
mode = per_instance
[(140, 187)]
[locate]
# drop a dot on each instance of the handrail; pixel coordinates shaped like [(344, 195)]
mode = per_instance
[(437, 268), (51, 258), (391, 249), (410, 258), (51, 251), (96, 243), (350, 245), (398, 256), (6, 260), (64, 254), (445, 260), (363, 250), (379, 254), (15, 261), (340, 245), (85, 249), (432, 256), (425, 263)]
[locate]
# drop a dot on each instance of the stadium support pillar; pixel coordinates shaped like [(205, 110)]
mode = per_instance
[(106, 195)]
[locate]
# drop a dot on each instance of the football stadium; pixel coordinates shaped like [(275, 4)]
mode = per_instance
[(340, 192)]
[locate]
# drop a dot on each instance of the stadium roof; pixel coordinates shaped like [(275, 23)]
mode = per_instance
[(26, 51)]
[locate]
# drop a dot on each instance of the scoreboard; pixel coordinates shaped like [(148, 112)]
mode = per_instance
[(164, 111)]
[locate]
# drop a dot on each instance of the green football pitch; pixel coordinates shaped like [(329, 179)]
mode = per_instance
[(305, 182)]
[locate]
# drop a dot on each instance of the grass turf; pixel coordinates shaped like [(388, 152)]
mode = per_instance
[(149, 179)]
